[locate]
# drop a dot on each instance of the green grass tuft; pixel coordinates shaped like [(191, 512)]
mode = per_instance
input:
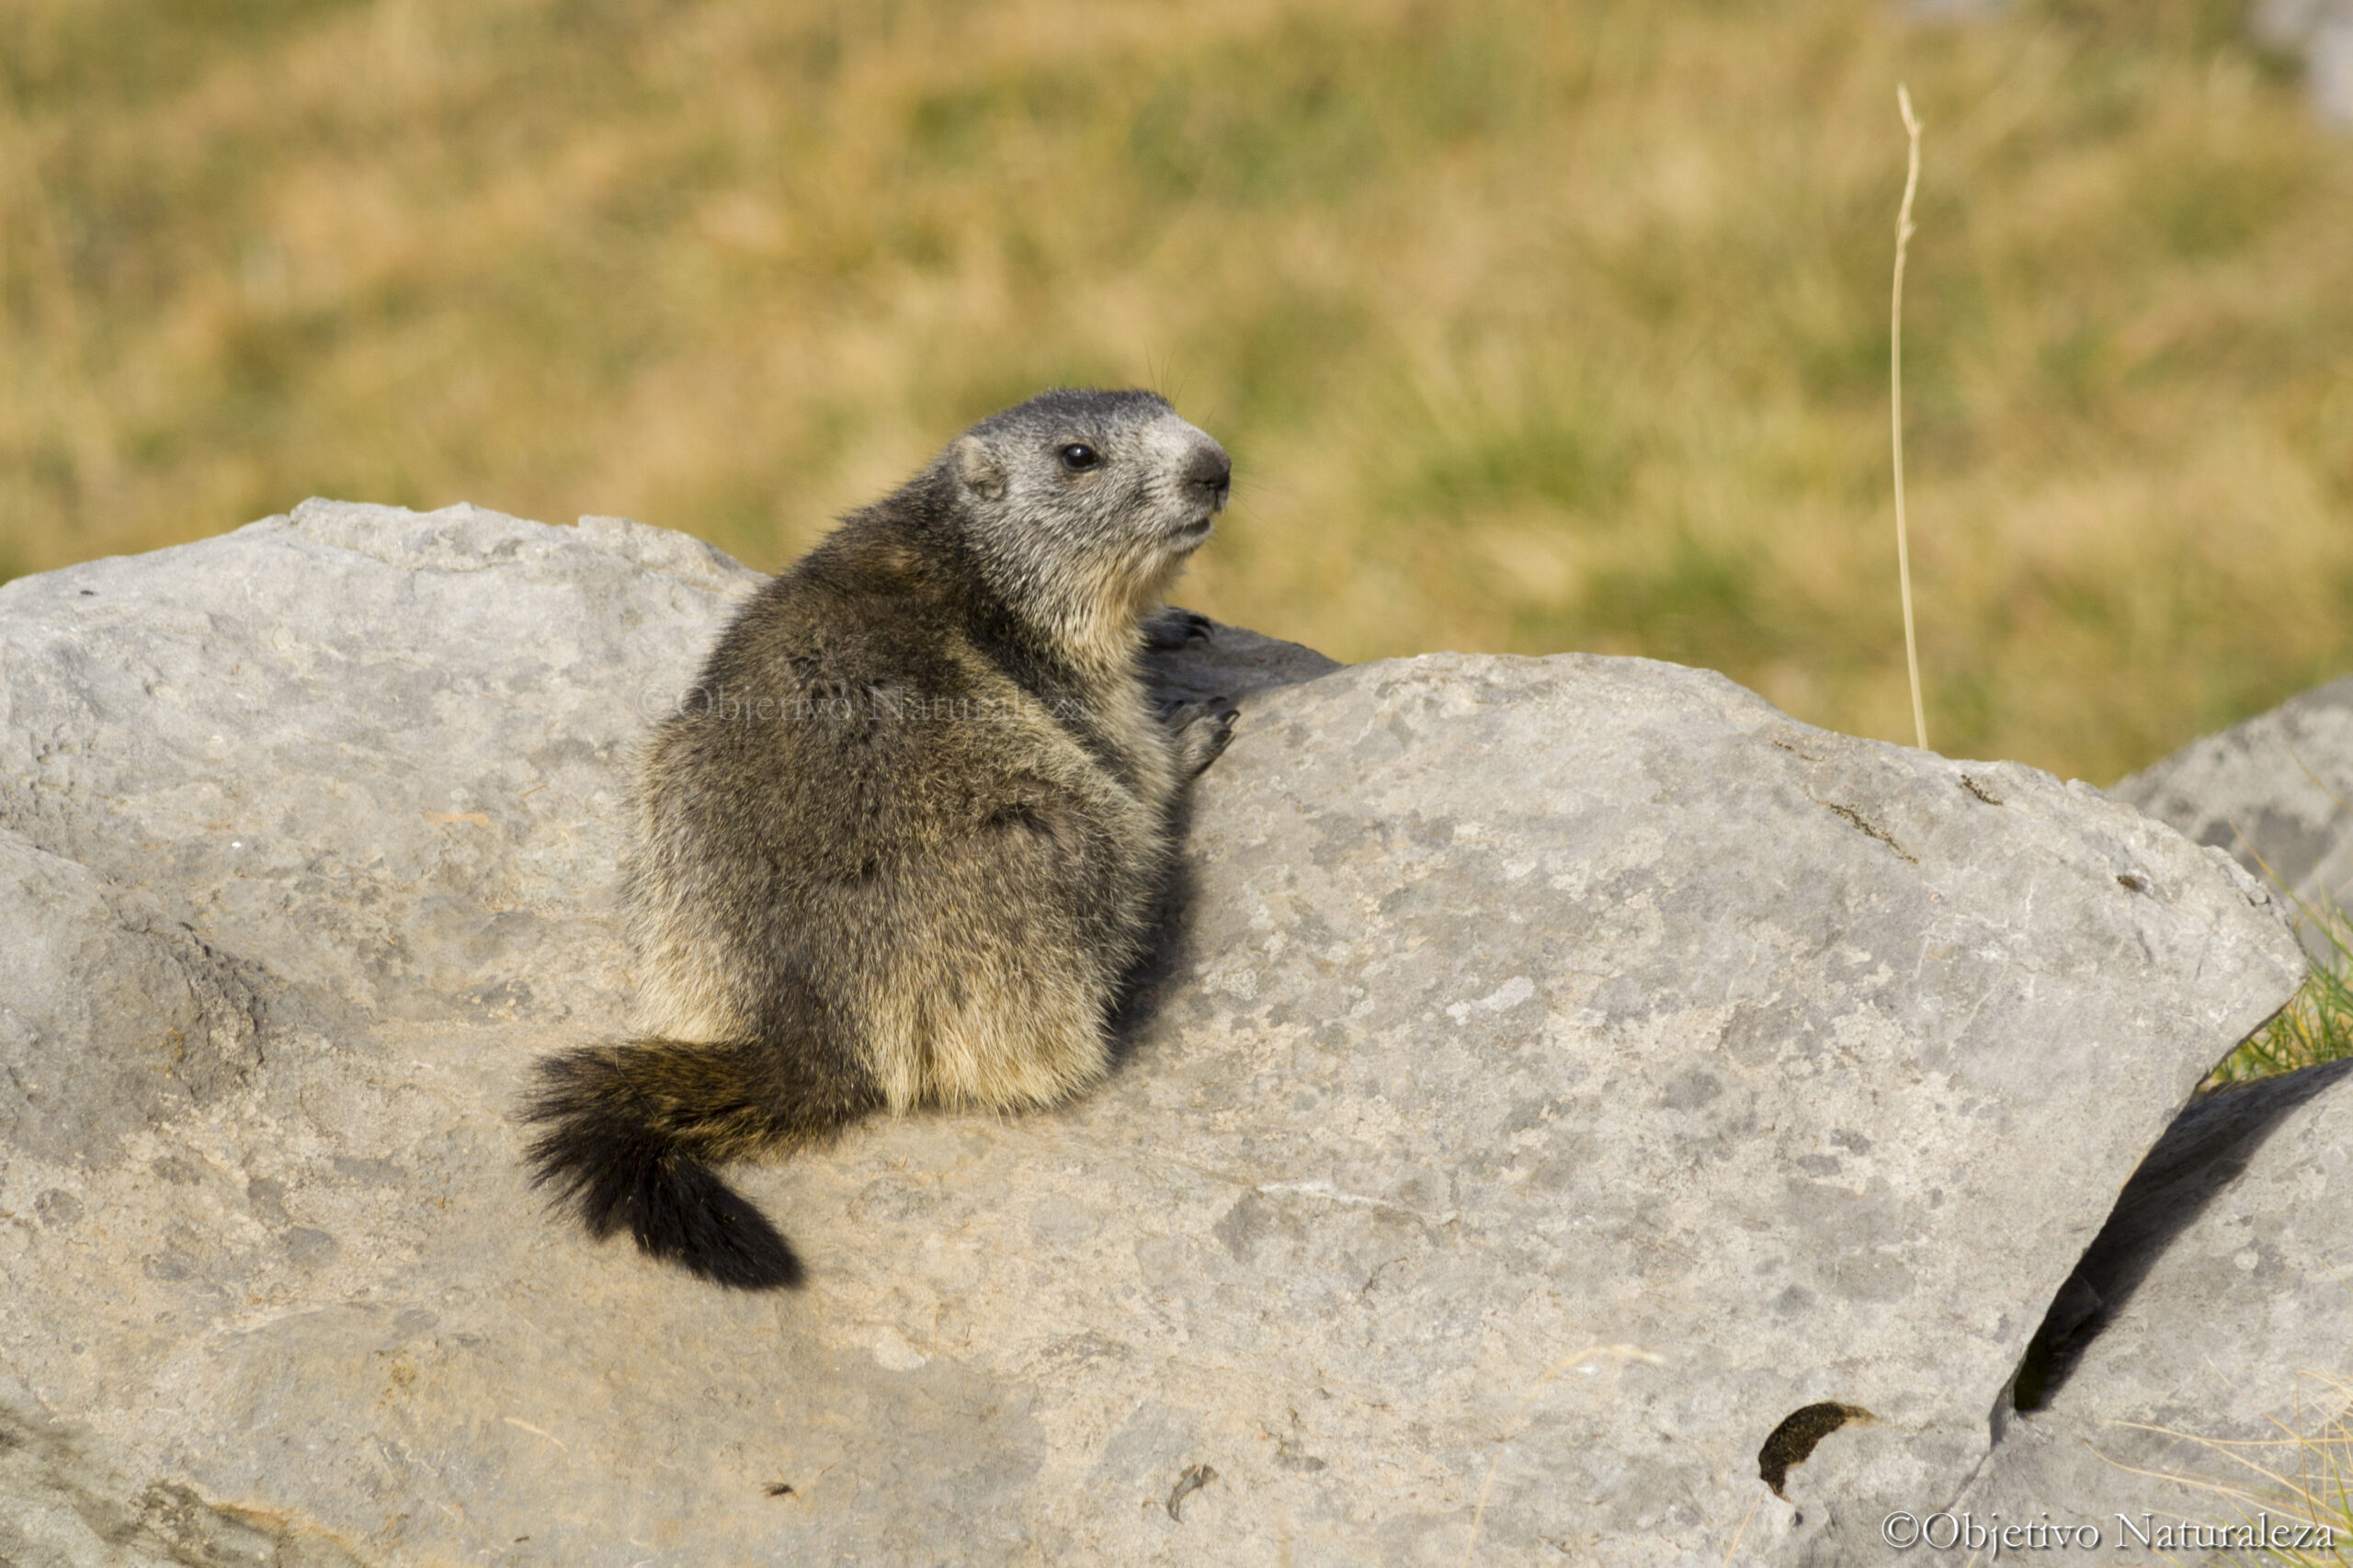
[(2317, 1026)]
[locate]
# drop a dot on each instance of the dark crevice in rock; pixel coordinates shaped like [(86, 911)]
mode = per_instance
[(1793, 1441), (1976, 787), (1867, 827), (2076, 1318), (2202, 1153)]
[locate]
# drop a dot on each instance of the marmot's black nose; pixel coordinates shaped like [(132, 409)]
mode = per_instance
[(1212, 470)]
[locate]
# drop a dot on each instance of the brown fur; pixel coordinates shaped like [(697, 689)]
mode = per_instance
[(903, 841)]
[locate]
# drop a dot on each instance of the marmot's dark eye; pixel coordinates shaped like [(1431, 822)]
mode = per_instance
[(1078, 456)]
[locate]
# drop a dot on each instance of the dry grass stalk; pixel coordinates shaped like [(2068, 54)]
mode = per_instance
[(1895, 408), (2302, 1477)]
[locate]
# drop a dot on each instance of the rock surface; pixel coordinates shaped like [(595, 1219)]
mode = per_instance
[(2211, 1328), (1571, 1068), (2277, 792)]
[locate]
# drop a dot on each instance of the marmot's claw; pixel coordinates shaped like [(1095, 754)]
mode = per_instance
[(1173, 628), (1203, 732)]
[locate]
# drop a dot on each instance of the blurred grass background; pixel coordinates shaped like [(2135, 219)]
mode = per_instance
[(1532, 326)]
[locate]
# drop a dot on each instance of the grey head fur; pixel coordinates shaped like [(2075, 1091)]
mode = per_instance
[(1080, 507)]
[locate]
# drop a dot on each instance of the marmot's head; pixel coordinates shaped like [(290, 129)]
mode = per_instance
[(1081, 506)]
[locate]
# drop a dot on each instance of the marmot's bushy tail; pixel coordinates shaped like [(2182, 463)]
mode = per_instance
[(632, 1129)]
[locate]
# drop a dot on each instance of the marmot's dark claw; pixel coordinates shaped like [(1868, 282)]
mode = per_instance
[(1203, 732)]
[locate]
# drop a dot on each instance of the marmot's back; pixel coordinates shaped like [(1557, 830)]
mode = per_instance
[(904, 839)]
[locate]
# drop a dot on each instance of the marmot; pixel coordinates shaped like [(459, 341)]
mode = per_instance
[(903, 841)]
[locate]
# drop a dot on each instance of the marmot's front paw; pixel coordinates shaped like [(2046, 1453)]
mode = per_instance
[(1175, 627), (1203, 730)]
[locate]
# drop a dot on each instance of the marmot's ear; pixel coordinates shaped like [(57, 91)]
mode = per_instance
[(978, 470)]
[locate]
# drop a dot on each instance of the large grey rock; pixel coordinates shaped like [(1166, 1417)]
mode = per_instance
[(1571, 1068), (2205, 1365), (2277, 792)]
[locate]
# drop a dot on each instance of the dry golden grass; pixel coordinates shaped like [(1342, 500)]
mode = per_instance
[(1534, 324), (2302, 1476)]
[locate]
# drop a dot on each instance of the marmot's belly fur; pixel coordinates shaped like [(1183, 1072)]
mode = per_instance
[(905, 838)]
